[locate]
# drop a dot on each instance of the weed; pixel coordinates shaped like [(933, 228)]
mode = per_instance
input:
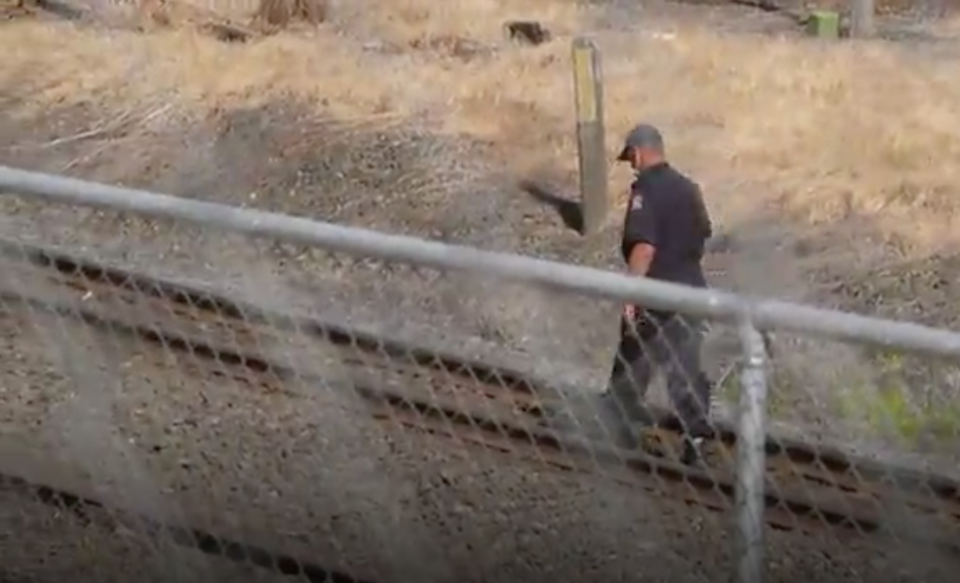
[(894, 405)]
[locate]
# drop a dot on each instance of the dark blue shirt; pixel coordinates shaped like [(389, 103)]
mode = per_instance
[(666, 210)]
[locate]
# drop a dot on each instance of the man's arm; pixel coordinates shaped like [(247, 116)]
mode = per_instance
[(703, 215), (641, 234), (641, 257)]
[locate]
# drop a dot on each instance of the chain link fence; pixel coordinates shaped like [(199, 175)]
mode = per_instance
[(177, 432)]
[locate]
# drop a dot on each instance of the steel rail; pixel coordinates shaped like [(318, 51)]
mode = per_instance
[(89, 509)]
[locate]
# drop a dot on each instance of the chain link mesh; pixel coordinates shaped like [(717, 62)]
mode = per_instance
[(176, 433)]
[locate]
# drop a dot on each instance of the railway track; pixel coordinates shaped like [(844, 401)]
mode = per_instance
[(90, 510), (489, 406)]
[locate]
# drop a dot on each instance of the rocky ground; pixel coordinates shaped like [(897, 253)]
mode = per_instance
[(304, 469)]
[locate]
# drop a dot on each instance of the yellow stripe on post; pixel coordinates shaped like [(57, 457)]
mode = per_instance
[(584, 79)]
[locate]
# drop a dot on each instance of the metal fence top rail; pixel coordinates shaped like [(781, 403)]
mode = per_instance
[(765, 314)]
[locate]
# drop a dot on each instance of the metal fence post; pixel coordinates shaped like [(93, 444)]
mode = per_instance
[(591, 147), (751, 457)]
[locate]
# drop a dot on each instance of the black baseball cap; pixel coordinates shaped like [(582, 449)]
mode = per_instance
[(641, 136)]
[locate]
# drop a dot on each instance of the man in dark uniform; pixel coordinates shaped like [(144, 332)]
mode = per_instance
[(665, 230)]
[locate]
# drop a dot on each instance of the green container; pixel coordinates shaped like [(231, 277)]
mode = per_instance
[(824, 24)]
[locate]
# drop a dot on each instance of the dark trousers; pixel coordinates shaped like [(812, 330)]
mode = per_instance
[(670, 344)]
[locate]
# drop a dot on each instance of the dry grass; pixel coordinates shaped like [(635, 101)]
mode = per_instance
[(824, 131), (482, 20), (285, 12)]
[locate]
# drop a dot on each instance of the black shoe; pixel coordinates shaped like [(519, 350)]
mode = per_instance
[(692, 451)]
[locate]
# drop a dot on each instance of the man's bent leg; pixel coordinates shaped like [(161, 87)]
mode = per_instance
[(688, 386), (621, 405)]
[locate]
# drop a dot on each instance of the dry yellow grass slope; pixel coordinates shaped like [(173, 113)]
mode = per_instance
[(823, 130)]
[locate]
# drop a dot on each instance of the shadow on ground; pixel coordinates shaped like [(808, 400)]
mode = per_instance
[(566, 208)]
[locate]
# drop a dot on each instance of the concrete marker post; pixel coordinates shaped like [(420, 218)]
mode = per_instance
[(591, 144), (862, 24)]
